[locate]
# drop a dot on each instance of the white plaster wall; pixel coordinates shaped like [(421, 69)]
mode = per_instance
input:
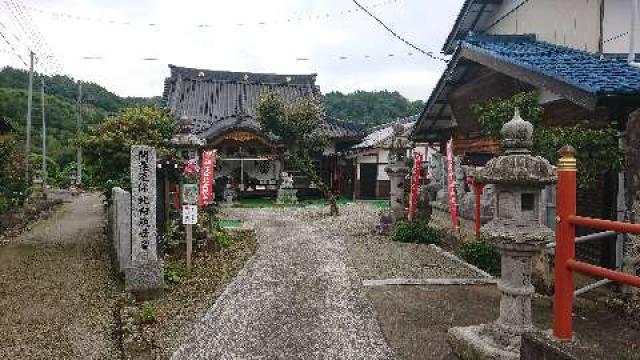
[(383, 161), (572, 23), (617, 21)]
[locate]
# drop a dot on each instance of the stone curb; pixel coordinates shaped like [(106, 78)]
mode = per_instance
[(432, 281), (458, 260)]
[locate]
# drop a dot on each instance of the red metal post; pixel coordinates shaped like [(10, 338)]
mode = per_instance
[(565, 244), (477, 190)]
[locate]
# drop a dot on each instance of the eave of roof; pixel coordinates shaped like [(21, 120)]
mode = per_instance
[(467, 20), (341, 129), (239, 76), (380, 135), (575, 75)]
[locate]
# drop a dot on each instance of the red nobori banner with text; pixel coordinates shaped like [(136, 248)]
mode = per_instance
[(205, 196), (415, 185), (453, 206)]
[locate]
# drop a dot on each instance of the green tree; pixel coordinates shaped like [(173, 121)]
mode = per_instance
[(106, 147), (370, 108), (298, 125), (597, 149)]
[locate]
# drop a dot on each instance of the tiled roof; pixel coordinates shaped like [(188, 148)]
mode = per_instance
[(381, 134), (588, 72), (218, 99), (335, 128)]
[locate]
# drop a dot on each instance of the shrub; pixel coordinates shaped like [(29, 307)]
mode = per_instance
[(147, 314), (172, 275), (483, 255), (223, 239), (416, 232), (14, 187)]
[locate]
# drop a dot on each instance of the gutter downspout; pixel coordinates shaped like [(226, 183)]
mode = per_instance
[(631, 57)]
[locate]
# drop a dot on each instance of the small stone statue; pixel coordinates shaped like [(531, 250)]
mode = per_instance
[(287, 180), (397, 171), (399, 144)]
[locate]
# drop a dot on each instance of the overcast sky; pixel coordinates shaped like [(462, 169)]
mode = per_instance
[(233, 39)]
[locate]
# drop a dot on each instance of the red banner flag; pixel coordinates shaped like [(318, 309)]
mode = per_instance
[(451, 179), (415, 185), (205, 195)]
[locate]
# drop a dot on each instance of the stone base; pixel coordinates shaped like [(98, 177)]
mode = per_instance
[(385, 225), (287, 197), (542, 345), (144, 279), (484, 342)]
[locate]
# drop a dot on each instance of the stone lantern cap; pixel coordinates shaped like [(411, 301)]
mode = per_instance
[(185, 138), (517, 166)]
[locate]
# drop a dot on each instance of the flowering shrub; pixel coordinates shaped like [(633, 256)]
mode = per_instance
[(14, 189), (191, 169)]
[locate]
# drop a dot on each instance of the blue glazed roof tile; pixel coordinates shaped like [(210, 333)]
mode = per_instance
[(586, 71)]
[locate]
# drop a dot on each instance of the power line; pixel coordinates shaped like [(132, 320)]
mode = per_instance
[(16, 53), (49, 53), (398, 36), (294, 18), (300, 58), (616, 37), (36, 41)]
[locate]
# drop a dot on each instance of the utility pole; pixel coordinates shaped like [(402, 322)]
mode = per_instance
[(79, 130), (44, 145), (29, 103)]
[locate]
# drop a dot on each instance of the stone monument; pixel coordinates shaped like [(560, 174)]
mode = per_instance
[(143, 275), (397, 171), (287, 195), (517, 232)]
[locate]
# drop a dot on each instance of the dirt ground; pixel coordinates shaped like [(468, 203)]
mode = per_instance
[(415, 320), (57, 296)]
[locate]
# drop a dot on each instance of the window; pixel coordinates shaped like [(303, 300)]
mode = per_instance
[(527, 202)]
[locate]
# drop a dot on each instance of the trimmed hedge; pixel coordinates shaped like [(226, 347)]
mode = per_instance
[(483, 255), (416, 232)]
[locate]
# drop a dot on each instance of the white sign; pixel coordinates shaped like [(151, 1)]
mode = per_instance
[(189, 214)]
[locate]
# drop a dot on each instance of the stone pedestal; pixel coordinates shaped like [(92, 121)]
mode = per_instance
[(397, 173), (287, 196), (144, 274)]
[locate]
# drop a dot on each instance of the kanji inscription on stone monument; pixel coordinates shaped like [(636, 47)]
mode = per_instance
[(143, 202)]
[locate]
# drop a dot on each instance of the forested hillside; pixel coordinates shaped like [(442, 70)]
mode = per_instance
[(60, 105), (363, 107), (370, 108)]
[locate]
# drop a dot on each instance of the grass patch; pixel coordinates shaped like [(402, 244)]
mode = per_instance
[(229, 223)]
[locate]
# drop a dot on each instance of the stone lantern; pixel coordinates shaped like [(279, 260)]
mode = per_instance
[(397, 171), (517, 232)]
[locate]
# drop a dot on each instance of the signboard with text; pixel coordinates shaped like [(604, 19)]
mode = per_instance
[(189, 214)]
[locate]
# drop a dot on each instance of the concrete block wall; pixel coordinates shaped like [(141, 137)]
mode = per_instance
[(120, 227)]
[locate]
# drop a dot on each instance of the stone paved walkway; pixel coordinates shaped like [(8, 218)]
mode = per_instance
[(56, 292), (298, 298)]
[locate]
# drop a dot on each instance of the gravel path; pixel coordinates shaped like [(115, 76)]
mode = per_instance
[(377, 257), (298, 298), (56, 294)]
